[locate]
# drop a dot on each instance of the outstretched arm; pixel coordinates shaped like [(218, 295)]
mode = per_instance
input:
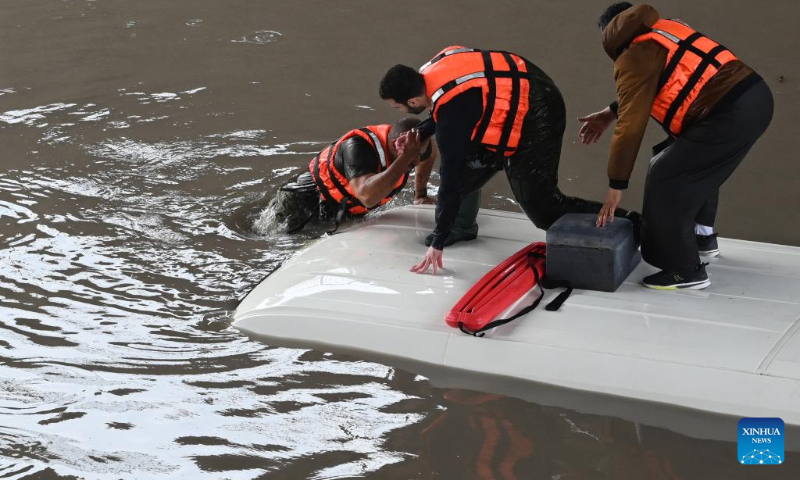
[(636, 74), (457, 119), (456, 122), (371, 188)]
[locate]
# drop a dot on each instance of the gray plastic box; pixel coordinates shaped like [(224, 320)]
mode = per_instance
[(589, 257)]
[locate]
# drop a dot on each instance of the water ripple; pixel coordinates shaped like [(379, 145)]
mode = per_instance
[(260, 37), (32, 115)]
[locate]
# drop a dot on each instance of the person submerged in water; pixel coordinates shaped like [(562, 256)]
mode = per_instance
[(360, 171)]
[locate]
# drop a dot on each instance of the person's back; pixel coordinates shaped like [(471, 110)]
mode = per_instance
[(638, 69)]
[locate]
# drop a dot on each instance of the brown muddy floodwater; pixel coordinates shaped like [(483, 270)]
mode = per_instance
[(136, 136)]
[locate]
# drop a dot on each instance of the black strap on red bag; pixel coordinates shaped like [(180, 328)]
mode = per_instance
[(562, 297), (542, 283)]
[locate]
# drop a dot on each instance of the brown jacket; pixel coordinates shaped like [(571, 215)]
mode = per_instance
[(637, 69)]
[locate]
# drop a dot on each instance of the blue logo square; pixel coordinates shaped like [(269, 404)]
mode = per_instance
[(761, 441)]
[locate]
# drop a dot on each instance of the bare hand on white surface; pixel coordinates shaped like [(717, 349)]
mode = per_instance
[(433, 258)]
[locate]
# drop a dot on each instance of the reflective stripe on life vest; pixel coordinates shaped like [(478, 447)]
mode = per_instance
[(693, 59), (333, 185), (505, 83)]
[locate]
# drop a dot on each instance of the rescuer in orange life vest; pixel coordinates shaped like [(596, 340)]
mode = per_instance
[(714, 108), (492, 111), (360, 171)]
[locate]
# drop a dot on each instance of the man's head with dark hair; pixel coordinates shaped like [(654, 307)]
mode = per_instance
[(402, 126), (404, 89), (612, 11)]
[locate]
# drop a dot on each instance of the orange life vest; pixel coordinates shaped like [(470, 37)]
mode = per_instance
[(504, 79), (333, 185), (692, 60)]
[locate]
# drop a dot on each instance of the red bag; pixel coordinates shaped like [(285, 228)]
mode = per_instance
[(478, 309)]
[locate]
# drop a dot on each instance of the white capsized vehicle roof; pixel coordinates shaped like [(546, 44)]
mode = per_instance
[(733, 348)]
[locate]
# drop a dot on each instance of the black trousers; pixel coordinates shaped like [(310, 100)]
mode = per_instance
[(532, 171), (683, 181)]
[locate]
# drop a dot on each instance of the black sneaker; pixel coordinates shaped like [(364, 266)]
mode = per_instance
[(696, 279), (707, 245)]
